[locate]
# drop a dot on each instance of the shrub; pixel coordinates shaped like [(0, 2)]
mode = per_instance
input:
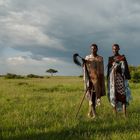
[(13, 76), (34, 76), (135, 73)]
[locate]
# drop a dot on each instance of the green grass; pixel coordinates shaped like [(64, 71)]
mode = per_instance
[(45, 109)]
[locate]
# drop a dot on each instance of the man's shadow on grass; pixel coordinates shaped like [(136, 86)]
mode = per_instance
[(84, 130)]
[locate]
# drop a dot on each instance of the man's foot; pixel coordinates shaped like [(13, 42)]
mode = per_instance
[(98, 102), (90, 115), (93, 117)]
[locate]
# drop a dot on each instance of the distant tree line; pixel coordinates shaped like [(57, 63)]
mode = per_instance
[(134, 71), (15, 76), (34, 76)]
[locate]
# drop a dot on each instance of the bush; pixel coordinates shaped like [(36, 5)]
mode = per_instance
[(13, 76), (34, 76), (135, 73), (81, 76), (135, 77)]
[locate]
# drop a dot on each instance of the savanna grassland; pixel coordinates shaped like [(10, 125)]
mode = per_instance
[(45, 109)]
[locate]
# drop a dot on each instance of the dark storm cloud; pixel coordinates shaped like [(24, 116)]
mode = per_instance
[(58, 29)]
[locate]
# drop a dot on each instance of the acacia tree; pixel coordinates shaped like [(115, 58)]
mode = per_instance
[(51, 71)]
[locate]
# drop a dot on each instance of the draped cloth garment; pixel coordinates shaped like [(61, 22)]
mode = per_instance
[(118, 87), (95, 69)]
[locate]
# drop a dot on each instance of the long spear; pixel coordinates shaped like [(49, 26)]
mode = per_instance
[(75, 59)]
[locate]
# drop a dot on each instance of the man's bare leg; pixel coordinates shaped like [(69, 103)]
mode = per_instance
[(93, 111), (94, 104), (124, 109), (90, 109), (115, 110)]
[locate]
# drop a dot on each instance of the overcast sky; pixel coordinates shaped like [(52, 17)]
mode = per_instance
[(36, 35)]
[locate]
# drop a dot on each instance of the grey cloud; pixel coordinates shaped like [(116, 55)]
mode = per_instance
[(74, 25)]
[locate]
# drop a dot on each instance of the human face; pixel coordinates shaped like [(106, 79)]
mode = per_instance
[(94, 49), (115, 50)]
